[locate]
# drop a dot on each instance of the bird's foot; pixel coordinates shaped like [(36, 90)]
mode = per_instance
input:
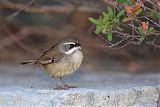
[(69, 86), (64, 87), (61, 88)]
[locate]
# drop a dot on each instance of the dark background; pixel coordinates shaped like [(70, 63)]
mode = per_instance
[(25, 35)]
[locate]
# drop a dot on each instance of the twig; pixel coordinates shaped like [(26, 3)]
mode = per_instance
[(11, 17), (7, 41), (46, 9), (122, 46), (152, 21), (117, 47), (110, 2), (154, 39), (36, 9), (153, 44), (153, 4), (100, 36), (113, 45), (156, 33), (5, 28)]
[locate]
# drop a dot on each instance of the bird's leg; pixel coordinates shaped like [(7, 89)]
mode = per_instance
[(65, 85), (58, 87)]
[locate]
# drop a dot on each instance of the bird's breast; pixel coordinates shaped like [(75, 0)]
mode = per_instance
[(66, 66), (77, 57)]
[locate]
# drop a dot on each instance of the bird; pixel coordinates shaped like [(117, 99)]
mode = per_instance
[(60, 60)]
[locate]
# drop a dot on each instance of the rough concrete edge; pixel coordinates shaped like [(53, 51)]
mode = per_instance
[(135, 92), (65, 95), (158, 101)]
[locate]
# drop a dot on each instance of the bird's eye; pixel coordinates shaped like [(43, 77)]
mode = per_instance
[(71, 46)]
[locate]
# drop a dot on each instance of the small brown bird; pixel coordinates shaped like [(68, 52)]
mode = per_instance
[(62, 59)]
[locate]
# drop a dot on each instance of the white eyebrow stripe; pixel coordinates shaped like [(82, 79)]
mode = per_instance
[(70, 43), (72, 50)]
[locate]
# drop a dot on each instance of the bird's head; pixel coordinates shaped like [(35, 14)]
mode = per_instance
[(69, 45)]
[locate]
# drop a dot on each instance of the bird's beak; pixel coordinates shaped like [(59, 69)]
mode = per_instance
[(77, 44)]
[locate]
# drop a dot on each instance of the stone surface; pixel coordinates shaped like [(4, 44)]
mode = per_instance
[(31, 87)]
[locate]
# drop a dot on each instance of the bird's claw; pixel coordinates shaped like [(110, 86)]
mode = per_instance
[(64, 87)]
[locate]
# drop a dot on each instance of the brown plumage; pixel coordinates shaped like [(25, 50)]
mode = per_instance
[(62, 59)]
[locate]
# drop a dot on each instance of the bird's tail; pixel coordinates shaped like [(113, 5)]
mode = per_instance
[(29, 62)]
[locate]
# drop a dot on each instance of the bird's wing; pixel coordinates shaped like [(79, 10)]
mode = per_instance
[(50, 57)]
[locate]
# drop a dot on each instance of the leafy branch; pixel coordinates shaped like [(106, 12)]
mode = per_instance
[(130, 23)]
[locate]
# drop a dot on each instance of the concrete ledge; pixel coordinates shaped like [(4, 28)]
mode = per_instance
[(133, 97), (95, 90)]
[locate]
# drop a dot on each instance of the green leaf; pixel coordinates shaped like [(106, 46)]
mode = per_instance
[(138, 11), (106, 15), (104, 31), (100, 21), (109, 36), (93, 20), (147, 23), (110, 11), (141, 31), (158, 16), (122, 1), (119, 1), (151, 29), (115, 20), (126, 19), (104, 21), (119, 28), (142, 39), (154, 30), (105, 18), (120, 13), (107, 25), (98, 30), (130, 2)]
